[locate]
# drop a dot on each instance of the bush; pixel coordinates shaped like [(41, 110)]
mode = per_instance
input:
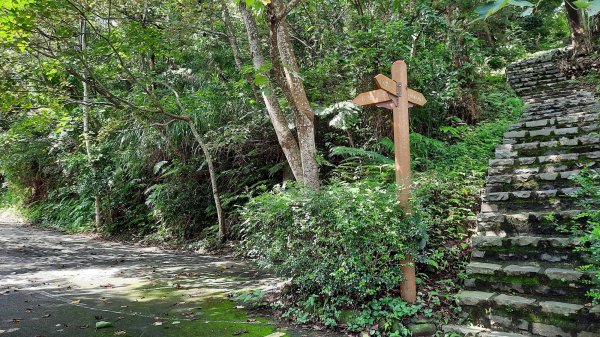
[(341, 246)]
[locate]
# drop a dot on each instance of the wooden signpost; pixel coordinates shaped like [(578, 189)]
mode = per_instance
[(394, 94)]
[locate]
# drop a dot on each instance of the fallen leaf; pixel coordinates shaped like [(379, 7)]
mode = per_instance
[(75, 301), (251, 320), (239, 307), (103, 324), (120, 332)]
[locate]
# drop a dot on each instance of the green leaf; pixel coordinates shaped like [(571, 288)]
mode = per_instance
[(490, 8), (158, 166), (260, 79), (521, 3), (527, 12), (582, 4), (103, 325)]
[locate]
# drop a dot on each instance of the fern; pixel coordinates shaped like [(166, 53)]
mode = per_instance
[(349, 152)]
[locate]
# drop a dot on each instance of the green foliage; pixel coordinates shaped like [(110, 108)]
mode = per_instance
[(588, 199), (490, 8), (383, 316), (341, 245)]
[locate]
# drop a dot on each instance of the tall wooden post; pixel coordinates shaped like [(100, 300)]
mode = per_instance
[(394, 94), (408, 287)]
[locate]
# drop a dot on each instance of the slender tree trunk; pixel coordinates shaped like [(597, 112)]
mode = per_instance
[(236, 49), (286, 139), (580, 40), (209, 161), (415, 41), (86, 126), (595, 33), (213, 180), (359, 8), (294, 86), (305, 117)]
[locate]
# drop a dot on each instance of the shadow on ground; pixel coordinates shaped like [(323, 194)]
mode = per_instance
[(53, 284)]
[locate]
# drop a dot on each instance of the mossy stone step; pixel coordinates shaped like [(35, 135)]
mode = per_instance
[(526, 248), (530, 166), (559, 122), (528, 177), (533, 182), (584, 136), (545, 107), (515, 205), (548, 282), (542, 164), (530, 195), (532, 312), (495, 220), (552, 152)]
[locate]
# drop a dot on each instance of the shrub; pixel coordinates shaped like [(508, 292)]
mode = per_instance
[(342, 245)]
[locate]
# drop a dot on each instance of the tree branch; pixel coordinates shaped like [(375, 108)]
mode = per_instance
[(286, 10)]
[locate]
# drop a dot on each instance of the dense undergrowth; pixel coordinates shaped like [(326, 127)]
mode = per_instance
[(341, 246)]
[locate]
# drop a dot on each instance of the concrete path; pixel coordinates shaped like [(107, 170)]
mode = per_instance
[(52, 284)]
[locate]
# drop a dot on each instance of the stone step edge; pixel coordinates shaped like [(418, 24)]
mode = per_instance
[(488, 213), (530, 195), (554, 241), (475, 331), (553, 274), (549, 159), (555, 121), (495, 180), (551, 131), (527, 303)]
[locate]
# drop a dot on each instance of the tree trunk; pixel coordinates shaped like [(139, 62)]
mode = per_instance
[(580, 40), (595, 33), (236, 49), (286, 139), (294, 87), (213, 180), (211, 168), (86, 127)]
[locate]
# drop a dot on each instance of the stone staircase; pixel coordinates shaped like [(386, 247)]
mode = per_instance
[(523, 278)]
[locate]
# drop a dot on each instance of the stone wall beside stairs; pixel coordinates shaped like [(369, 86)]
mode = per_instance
[(523, 278)]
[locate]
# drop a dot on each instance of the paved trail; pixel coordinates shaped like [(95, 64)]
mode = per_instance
[(53, 284)]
